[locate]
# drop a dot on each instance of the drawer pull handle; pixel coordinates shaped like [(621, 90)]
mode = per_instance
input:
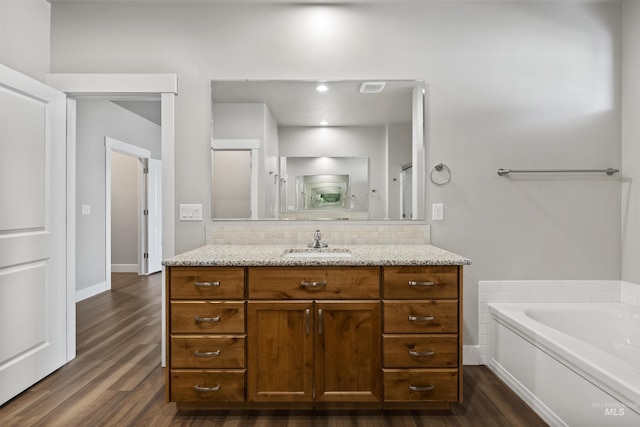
[(312, 284), (207, 319), (413, 283), (421, 353), (206, 284), (206, 353), (426, 388), (421, 318), (206, 389)]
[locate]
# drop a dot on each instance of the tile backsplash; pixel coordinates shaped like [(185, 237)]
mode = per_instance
[(332, 233)]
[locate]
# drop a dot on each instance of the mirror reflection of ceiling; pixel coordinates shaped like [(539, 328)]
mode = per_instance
[(298, 103)]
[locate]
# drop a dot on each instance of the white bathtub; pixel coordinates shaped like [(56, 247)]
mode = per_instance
[(575, 364)]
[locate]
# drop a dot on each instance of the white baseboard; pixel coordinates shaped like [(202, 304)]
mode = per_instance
[(471, 355), (84, 293), (124, 268)]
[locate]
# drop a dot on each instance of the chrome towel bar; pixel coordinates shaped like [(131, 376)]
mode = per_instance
[(608, 171)]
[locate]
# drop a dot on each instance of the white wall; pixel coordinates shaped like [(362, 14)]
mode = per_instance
[(631, 142), (516, 85), (24, 36), (95, 120), (124, 212)]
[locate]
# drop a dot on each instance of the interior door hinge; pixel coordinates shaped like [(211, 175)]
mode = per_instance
[(145, 170), (145, 212), (146, 255)]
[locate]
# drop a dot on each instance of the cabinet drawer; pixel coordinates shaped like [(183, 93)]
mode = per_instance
[(432, 282), (207, 283), (417, 384), (435, 316), (207, 386), (207, 316), (212, 352), (314, 283), (420, 351)]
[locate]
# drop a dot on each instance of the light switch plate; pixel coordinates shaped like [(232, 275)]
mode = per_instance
[(86, 209), (190, 212), (437, 212)]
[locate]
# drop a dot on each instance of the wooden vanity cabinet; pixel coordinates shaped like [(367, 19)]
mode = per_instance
[(422, 334), (206, 334), (315, 350), (308, 337)]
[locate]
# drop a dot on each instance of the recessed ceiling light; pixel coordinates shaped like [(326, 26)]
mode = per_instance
[(324, 123), (322, 88)]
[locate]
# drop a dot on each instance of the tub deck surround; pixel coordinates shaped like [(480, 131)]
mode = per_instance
[(573, 363), (272, 255), (250, 328)]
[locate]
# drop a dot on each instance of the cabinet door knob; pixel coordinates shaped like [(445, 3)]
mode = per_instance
[(421, 353), (206, 389), (425, 388), (207, 319), (414, 283), (421, 318)]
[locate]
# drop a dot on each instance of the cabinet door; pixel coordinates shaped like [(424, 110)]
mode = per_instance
[(348, 351), (280, 351)]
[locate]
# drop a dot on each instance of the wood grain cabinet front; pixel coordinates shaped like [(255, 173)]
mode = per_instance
[(385, 337), (421, 340), (314, 335), (206, 343)]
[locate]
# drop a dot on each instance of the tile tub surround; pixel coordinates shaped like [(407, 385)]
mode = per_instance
[(545, 291), (271, 255), (334, 233)]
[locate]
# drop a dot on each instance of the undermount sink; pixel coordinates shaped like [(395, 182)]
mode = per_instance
[(317, 253)]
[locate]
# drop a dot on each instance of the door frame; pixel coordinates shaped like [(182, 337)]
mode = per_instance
[(119, 86), (113, 145)]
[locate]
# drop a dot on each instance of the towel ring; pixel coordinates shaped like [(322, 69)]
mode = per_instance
[(439, 168)]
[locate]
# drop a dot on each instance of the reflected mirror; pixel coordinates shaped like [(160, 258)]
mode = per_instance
[(305, 150)]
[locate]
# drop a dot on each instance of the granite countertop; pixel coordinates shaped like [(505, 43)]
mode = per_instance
[(272, 255)]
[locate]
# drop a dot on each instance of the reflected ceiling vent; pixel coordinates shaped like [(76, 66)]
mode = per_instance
[(372, 87)]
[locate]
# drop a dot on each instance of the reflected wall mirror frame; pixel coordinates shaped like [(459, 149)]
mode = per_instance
[(260, 127)]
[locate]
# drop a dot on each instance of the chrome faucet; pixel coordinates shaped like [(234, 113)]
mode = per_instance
[(317, 241)]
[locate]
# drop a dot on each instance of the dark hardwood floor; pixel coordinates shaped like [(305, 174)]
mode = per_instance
[(116, 380)]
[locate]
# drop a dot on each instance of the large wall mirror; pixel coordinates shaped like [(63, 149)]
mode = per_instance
[(308, 150)]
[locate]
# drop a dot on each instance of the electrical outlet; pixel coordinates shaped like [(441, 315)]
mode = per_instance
[(437, 212)]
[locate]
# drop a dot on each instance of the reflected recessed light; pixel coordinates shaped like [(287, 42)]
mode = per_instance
[(322, 88), (324, 123)]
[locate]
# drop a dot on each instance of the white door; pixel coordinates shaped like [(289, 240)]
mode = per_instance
[(154, 216), (33, 293)]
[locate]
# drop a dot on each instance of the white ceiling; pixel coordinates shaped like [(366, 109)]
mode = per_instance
[(298, 103)]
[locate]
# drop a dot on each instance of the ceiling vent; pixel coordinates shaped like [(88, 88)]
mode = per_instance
[(372, 87)]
